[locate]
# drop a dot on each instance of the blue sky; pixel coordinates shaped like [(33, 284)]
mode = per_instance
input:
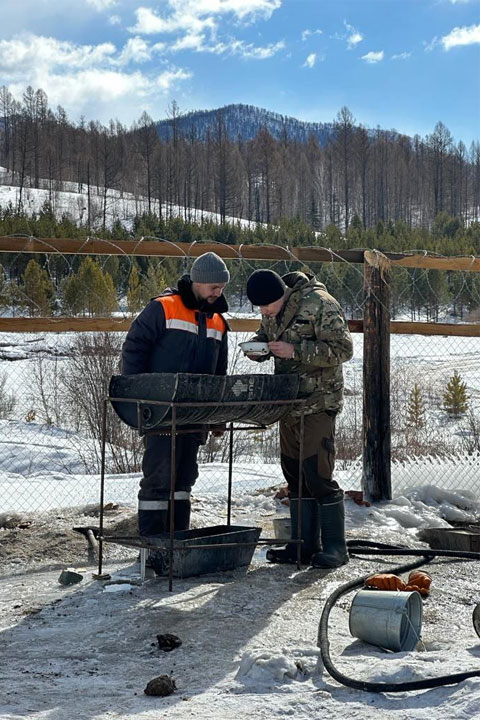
[(403, 64)]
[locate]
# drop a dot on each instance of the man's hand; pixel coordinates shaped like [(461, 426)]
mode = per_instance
[(282, 349)]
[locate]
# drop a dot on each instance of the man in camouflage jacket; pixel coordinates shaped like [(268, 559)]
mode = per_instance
[(307, 334)]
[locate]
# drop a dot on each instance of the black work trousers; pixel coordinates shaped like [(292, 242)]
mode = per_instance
[(156, 465), (318, 454)]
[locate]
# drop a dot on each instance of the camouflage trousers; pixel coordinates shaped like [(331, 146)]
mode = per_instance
[(318, 454)]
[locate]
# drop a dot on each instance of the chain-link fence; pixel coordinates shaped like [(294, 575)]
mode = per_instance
[(52, 384)]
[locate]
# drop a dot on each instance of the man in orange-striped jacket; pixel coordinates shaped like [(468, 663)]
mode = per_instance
[(182, 331)]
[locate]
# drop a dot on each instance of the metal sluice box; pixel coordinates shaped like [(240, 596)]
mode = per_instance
[(248, 398), (233, 546)]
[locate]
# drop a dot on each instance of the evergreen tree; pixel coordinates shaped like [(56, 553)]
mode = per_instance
[(416, 408), (90, 291), (134, 291), (154, 283), (5, 298), (36, 290), (455, 398)]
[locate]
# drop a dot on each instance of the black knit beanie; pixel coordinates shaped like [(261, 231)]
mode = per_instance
[(264, 287)]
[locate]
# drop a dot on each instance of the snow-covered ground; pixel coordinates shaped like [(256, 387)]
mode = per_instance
[(249, 636)]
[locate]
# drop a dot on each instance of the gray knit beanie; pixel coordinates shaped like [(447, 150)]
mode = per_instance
[(209, 268)]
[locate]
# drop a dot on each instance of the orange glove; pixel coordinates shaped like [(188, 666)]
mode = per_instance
[(420, 581), (385, 581)]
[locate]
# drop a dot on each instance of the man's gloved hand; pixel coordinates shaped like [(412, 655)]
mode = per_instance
[(419, 580), (385, 581)]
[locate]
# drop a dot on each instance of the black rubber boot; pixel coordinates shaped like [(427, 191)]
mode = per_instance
[(181, 509), (152, 522), (158, 559), (156, 522), (310, 534), (332, 522)]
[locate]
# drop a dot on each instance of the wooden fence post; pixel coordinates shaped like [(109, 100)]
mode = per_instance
[(376, 378)]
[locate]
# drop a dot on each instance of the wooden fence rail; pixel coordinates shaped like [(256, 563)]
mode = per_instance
[(158, 248)]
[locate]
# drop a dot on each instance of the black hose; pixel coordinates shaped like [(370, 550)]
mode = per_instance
[(324, 643)]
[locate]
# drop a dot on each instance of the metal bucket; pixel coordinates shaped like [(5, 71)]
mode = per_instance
[(391, 620), (282, 527)]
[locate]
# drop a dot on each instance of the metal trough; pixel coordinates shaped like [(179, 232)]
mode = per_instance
[(226, 548), (246, 398)]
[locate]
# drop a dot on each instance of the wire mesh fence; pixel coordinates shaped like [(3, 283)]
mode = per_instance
[(52, 385)]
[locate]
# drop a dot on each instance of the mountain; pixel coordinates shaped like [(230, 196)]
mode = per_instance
[(244, 122)]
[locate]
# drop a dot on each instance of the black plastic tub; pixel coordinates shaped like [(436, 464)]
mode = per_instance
[(132, 397), (190, 561)]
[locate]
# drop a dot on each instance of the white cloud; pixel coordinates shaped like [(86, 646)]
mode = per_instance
[(20, 55), (87, 78), (310, 61), (191, 41), (193, 16), (136, 50), (114, 20), (307, 33), (461, 36), (247, 50), (354, 37), (454, 2), (402, 56), (170, 77), (101, 4), (373, 57), (432, 44), (149, 23)]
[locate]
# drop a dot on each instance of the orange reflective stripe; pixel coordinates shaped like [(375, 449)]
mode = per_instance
[(216, 322), (175, 310)]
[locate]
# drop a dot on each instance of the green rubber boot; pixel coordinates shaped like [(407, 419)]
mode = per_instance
[(332, 522)]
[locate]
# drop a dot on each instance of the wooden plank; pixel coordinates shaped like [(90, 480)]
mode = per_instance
[(87, 324), (423, 328), (376, 480), (158, 248), (251, 251), (429, 262)]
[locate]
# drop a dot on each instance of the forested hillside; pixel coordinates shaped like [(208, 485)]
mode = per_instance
[(353, 172)]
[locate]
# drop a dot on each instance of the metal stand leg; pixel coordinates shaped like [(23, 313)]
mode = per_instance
[(143, 560), (230, 473), (300, 488), (172, 497), (102, 488)]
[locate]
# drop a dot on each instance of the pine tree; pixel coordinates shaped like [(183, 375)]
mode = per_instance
[(90, 291), (37, 290), (455, 398), (416, 408), (134, 292), (154, 283)]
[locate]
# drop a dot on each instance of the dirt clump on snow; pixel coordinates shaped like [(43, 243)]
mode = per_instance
[(162, 685)]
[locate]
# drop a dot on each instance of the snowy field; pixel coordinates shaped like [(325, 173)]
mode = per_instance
[(72, 202), (249, 636)]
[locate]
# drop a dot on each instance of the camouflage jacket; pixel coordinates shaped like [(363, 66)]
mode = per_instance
[(313, 321)]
